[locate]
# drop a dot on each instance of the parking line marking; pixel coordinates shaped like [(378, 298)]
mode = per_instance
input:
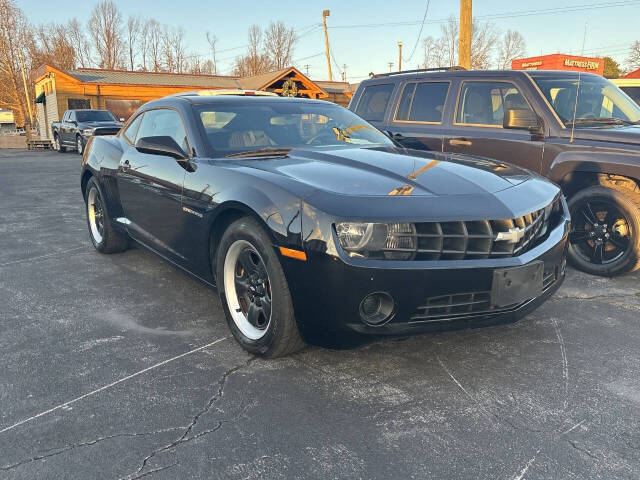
[(22, 260), (112, 384)]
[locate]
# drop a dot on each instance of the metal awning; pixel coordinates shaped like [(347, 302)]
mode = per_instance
[(40, 98)]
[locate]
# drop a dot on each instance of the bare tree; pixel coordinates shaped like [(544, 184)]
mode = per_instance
[(433, 53), (153, 39), (14, 33), (53, 47), (484, 40), (512, 46), (213, 40), (134, 31), (279, 42), (449, 41), (634, 56), (254, 62), (105, 28), (81, 46)]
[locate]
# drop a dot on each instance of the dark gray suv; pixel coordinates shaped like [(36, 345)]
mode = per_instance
[(578, 129)]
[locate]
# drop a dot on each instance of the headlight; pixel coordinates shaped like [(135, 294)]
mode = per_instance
[(392, 241), (88, 131)]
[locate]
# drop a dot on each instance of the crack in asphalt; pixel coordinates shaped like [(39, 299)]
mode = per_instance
[(184, 437), (594, 297), (583, 450), (87, 443)]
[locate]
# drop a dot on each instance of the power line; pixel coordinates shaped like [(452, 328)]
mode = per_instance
[(513, 14), (424, 17)]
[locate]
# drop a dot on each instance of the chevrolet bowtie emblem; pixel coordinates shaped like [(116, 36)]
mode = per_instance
[(514, 235)]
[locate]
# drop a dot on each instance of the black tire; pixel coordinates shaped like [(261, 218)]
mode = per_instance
[(104, 237), (281, 335), (79, 144), (619, 251), (57, 144)]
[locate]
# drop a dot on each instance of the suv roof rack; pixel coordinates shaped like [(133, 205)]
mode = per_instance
[(220, 92), (419, 70)]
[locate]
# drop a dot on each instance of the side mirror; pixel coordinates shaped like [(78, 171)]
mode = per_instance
[(521, 119), (161, 145)]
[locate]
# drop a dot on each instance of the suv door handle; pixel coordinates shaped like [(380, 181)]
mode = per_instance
[(457, 142)]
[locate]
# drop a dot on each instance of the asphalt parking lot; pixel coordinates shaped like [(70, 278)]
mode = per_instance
[(103, 374)]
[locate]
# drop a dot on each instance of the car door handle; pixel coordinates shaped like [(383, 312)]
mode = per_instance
[(457, 142)]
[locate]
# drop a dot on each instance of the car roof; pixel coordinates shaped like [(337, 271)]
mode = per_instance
[(235, 99), (447, 74)]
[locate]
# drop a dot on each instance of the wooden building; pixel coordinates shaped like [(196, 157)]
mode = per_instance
[(122, 92)]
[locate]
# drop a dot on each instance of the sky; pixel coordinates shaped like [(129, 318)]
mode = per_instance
[(364, 34)]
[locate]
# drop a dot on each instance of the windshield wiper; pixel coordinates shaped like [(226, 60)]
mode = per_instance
[(261, 152), (603, 121)]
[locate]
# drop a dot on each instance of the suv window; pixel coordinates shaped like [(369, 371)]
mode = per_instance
[(423, 103), (373, 102), (132, 129), (633, 92), (164, 122), (483, 103)]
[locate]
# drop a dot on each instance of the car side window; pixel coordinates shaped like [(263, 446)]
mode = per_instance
[(402, 113), (484, 103), (72, 116), (373, 102), (428, 102), (164, 122), (130, 133)]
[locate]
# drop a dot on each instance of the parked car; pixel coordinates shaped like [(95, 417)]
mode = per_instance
[(590, 147), (630, 86), (307, 218), (78, 125)]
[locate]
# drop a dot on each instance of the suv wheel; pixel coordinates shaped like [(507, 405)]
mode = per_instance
[(254, 291), (605, 236)]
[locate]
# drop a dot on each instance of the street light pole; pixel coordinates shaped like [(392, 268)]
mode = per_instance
[(325, 14), (399, 56)]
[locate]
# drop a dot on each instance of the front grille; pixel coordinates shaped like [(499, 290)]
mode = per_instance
[(474, 239), (470, 303)]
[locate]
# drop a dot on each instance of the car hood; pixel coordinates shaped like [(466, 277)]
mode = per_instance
[(622, 134), (99, 124), (392, 171)]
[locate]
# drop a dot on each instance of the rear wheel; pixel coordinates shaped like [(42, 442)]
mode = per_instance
[(605, 236), (79, 144), (57, 144), (254, 291), (103, 236)]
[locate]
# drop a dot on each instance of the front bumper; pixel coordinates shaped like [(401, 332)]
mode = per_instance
[(327, 289)]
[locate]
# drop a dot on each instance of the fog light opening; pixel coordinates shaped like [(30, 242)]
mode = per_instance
[(376, 308)]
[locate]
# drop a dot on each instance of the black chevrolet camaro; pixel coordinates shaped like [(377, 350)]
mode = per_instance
[(306, 218)]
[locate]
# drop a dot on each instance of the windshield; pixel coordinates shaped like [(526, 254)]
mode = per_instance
[(232, 128), (95, 116), (599, 100)]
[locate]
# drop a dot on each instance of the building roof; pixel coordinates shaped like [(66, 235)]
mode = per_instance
[(90, 75), (336, 87), (634, 74)]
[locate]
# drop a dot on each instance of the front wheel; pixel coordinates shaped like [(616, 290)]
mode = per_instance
[(57, 144), (254, 291), (605, 236)]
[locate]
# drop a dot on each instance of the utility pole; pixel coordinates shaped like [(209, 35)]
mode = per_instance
[(464, 44), (344, 72), (26, 93), (306, 69), (390, 65), (325, 14), (399, 56)]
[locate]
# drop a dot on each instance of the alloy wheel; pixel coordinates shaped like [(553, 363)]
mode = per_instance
[(95, 212), (601, 232), (248, 289)]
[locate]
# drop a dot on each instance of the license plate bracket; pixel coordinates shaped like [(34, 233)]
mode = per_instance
[(515, 285)]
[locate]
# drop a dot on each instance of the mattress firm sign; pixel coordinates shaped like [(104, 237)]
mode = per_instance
[(589, 65), (560, 61)]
